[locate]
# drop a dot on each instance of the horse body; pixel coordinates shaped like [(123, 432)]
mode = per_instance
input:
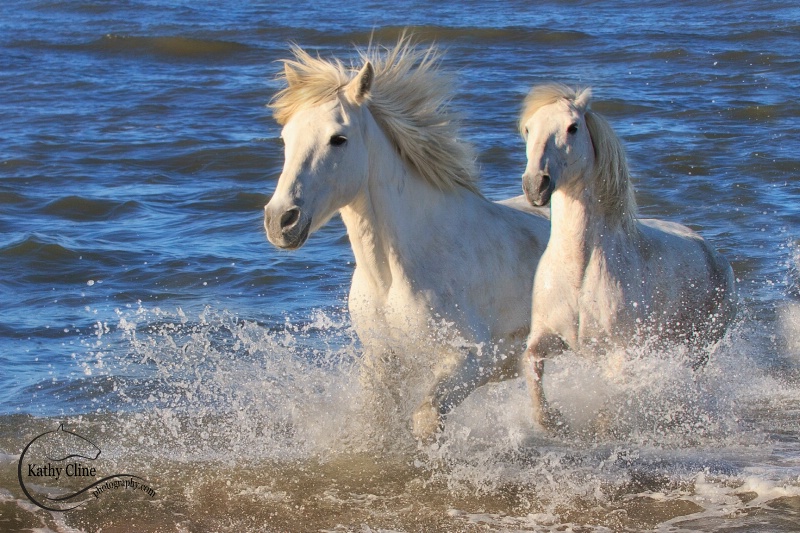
[(607, 277), (429, 248), (665, 282), (415, 274), (412, 268)]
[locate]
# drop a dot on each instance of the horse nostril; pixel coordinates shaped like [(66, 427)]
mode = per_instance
[(290, 217), (544, 184)]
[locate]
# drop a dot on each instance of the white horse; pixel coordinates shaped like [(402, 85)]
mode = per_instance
[(380, 146), (606, 277)]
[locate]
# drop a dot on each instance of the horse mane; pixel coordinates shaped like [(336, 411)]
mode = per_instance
[(409, 99), (612, 179)]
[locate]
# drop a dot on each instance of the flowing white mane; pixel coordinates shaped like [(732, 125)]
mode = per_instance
[(611, 179), (409, 100)]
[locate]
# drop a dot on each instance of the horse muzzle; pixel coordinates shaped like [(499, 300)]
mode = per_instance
[(538, 188), (286, 228)]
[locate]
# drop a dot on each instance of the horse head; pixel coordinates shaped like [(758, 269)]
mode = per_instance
[(344, 126), (326, 162), (558, 141)]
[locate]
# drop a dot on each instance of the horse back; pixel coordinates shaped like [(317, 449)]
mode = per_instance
[(701, 279), (533, 223)]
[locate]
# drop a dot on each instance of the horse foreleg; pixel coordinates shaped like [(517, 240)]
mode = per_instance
[(380, 373), (447, 393), (533, 367)]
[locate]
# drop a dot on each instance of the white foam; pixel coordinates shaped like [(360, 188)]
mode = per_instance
[(218, 388)]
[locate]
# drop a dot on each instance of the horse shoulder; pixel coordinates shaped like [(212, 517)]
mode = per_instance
[(387, 312), (611, 289), (503, 250)]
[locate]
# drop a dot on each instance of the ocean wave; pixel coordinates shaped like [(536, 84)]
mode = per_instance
[(40, 259), (389, 34), (174, 47), (486, 35), (761, 34), (82, 209), (232, 201), (763, 112), (167, 47), (37, 247)]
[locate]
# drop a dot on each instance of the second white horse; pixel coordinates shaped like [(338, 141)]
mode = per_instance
[(606, 277)]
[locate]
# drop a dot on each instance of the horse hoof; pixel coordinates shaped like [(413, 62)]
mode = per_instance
[(426, 422), (553, 422)]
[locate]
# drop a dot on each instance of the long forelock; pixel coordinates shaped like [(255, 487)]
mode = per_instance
[(543, 95), (312, 81), (409, 99)]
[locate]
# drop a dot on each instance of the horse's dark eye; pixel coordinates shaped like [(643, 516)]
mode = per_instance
[(573, 128), (338, 140)]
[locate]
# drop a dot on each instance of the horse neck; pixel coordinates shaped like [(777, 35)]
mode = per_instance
[(579, 226), (391, 217)]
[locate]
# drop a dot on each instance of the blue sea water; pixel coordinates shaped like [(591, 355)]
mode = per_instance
[(140, 296)]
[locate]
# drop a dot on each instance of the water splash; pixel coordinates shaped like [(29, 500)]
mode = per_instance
[(789, 311), (291, 398), (217, 386)]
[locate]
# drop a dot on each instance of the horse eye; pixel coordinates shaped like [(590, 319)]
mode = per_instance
[(573, 128), (338, 140)]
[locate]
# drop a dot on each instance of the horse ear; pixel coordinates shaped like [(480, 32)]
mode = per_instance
[(583, 99), (290, 74), (359, 87)]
